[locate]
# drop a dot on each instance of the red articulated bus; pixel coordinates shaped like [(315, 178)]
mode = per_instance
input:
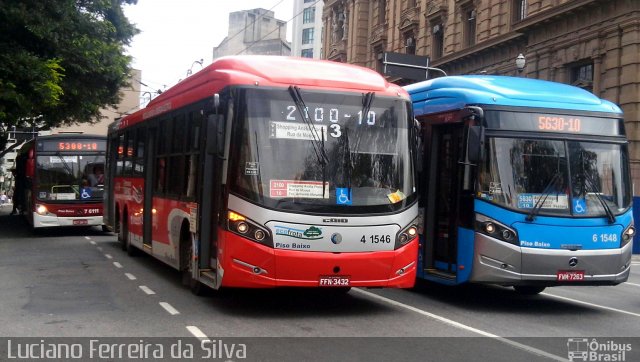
[(60, 180), (265, 171)]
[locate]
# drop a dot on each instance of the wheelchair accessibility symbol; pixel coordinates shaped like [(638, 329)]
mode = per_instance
[(579, 206), (85, 193), (343, 196)]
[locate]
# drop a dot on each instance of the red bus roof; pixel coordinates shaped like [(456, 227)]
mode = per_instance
[(265, 70)]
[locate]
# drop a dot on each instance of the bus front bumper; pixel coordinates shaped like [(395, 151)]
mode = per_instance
[(498, 262), (251, 265), (41, 221)]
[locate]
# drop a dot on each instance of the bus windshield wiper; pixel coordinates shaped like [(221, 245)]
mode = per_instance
[(607, 210), (318, 139), (545, 193)]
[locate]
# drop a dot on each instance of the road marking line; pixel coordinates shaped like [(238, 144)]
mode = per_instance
[(169, 308), (130, 276), (634, 284), (118, 265), (99, 248), (88, 238), (197, 332), (92, 242), (463, 326), (592, 304), (108, 256), (146, 289)]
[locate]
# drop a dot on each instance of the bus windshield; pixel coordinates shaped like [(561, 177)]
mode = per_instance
[(562, 178), (70, 177), (331, 158)]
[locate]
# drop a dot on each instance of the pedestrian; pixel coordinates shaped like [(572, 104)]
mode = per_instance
[(3, 199)]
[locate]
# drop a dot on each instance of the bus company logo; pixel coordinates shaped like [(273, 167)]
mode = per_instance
[(581, 349), (335, 221), (312, 233)]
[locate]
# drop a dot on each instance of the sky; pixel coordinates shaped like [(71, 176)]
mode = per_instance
[(176, 33)]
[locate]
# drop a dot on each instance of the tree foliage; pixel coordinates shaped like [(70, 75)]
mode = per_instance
[(61, 60)]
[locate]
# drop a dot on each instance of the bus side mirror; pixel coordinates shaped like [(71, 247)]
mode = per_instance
[(475, 144)]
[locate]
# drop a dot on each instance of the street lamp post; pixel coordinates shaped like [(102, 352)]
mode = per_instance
[(520, 63)]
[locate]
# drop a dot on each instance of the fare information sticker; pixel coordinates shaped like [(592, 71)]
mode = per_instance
[(301, 189), (297, 131)]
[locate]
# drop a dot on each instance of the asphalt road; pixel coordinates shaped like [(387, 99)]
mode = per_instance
[(79, 283)]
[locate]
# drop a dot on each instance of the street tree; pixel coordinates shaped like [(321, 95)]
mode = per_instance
[(61, 61)]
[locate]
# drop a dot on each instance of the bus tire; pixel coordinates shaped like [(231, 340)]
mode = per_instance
[(528, 289), (105, 229), (186, 254), (126, 243)]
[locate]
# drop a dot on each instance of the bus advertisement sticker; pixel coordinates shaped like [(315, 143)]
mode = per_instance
[(85, 193), (579, 206), (251, 168), (301, 189), (343, 196)]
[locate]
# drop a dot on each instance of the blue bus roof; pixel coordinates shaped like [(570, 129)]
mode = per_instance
[(455, 92)]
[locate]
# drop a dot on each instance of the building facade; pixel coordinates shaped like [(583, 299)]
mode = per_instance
[(593, 44), (129, 103), (307, 29), (254, 31)]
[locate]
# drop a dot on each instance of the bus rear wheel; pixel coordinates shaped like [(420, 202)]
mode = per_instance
[(528, 289)]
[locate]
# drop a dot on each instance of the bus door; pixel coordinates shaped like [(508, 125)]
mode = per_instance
[(149, 170), (443, 185)]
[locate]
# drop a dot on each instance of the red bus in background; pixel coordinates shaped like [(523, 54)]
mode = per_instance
[(265, 171), (60, 180)]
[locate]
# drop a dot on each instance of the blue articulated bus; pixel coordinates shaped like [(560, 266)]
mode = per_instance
[(524, 183)]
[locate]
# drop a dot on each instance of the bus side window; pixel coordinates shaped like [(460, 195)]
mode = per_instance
[(160, 174)]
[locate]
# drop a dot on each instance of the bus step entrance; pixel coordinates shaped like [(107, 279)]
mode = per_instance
[(441, 274), (208, 278)]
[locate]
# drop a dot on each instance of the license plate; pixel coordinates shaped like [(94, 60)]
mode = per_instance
[(334, 281), (80, 222), (570, 275)]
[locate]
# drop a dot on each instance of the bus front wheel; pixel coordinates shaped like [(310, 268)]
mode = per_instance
[(528, 289)]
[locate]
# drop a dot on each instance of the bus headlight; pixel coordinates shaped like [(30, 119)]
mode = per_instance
[(627, 235), (407, 234), (42, 210), (239, 224), (494, 229)]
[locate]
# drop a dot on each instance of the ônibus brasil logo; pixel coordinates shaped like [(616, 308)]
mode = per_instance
[(312, 233), (583, 349)]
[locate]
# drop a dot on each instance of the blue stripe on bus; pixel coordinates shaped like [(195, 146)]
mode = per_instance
[(548, 232)]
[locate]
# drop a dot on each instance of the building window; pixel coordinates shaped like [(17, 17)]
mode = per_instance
[(411, 4), (438, 41), (582, 76), (382, 11), (469, 21), (410, 43), (379, 54), (307, 53), (307, 36), (309, 15), (519, 9)]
